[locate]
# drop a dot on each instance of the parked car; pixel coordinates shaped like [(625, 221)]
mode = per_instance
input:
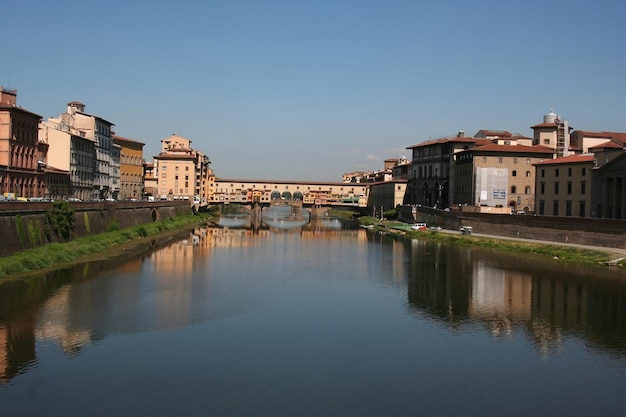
[(466, 230), (419, 226)]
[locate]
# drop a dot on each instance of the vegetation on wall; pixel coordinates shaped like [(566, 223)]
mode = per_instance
[(87, 225), (19, 224), (60, 220), (34, 233)]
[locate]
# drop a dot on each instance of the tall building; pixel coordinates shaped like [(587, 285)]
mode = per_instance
[(554, 133), (131, 168), (564, 186), (20, 149), (104, 172), (182, 172), (498, 175), (431, 180)]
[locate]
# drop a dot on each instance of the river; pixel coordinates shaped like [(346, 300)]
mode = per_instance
[(320, 321)]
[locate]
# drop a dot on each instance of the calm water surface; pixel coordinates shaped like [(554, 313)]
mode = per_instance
[(319, 322)]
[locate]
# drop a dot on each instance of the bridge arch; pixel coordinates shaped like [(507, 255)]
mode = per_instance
[(298, 196), (275, 195), (286, 195)]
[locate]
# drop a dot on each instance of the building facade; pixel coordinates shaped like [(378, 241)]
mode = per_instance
[(20, 150), (182, 173), (564, 186), (131, 168), (431, 180), (498, 176)]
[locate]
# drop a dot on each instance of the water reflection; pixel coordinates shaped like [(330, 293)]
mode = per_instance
[(186, 283)]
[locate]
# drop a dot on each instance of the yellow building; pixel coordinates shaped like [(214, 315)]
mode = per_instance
[(131, 167)]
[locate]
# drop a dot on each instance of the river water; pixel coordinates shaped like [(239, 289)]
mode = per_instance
[(322, 321)]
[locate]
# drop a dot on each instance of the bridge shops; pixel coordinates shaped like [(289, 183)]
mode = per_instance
[(310, 193)]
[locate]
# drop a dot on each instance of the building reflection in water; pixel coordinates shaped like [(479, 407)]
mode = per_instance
[(172, 287), (508, 294)]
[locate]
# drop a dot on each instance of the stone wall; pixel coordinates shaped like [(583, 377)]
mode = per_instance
[(584, 231), (22, 225)]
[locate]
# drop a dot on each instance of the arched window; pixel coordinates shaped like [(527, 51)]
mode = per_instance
[(527, 190)]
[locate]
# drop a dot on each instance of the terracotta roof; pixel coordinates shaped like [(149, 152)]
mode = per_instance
[(454, 139), (609, 144), (543, 125), (500, 133), (115, 137), (571, 159), (608, 135), (493, 147)]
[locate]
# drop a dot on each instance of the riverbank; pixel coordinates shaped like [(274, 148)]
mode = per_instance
[(557, 252), (54, 255)]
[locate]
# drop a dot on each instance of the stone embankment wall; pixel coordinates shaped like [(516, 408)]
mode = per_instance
[(23, 225), (583, 231)]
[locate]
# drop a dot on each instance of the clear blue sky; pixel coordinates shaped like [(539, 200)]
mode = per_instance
[(308, 90)]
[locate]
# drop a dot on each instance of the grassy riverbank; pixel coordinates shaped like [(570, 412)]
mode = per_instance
[(54, 254), (554, 251)]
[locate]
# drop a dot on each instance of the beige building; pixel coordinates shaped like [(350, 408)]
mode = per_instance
[(131, 168), (554, 133), (387, 195), (70, 152), (498, 176), (182, 173), (564, 186)]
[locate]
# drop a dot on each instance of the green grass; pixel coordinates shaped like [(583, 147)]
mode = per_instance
[(555, 252), (54, 254)]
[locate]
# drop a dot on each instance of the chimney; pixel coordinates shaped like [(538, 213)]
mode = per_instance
[(460, 134)]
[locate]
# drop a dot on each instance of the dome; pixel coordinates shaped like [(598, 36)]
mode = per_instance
[(550, 117)]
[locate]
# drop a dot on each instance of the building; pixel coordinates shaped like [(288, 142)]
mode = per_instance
[(20, 149), (609, 188), (386, 195), (431, 169), (71, 152), (564, 186), (586, 141), (182, 172), (495, 175), (554, 133), (104, 174), (131, 168), (150, 181)]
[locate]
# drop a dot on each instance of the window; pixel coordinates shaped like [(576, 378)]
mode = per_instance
[(163, 175), (581, 209), (543, 173), (556, 172), (542, 187), (556, 187), (515, 160), (514, 173), (500, 159), (568, 208), (542, 206), (527, 174), (546, 141), (569, 172), (527, 190), (176, 169), (584, 171), (583, 187), (569, 187), (513, 189), (527, 161), (555, 208)]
